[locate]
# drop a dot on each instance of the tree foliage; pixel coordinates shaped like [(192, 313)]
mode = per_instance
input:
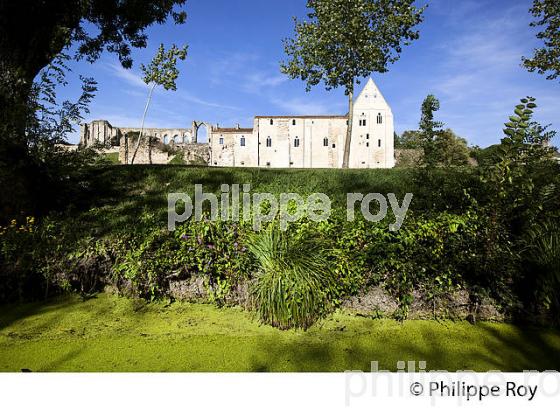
[(429, 130), (161, 71), (345, 40), (32, 35), (409, 139), (546, 60)]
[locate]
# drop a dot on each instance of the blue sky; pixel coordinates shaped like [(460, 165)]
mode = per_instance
[(468, 55)]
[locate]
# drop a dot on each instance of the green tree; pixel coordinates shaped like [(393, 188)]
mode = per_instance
[(516, 188), (429, 130), (452, 150), (345, 40), (162, 71), (546, 60), (33, 33), (408, 140)]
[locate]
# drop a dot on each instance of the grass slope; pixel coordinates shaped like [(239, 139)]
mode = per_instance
[(114, 334), (120, 196)]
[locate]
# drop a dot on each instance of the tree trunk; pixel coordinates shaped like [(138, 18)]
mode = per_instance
[(142, 128), (347, 143)]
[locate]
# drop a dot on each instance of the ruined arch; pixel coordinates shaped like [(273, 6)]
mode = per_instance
[(196, 125)]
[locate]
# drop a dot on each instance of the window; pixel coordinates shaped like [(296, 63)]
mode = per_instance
[(296, 142), (165, 139), (291, 162), (379, 143), (325, 142), (271, 122), (334, 145), (293, 122), (379, 118), (268, 142), (242, 142), (268, 164), (367, 144), (367, 136), (242, 162), (221, 140), (364, 121)]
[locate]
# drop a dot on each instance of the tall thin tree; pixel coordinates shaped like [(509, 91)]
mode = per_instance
[(345, 40), (161, 71)]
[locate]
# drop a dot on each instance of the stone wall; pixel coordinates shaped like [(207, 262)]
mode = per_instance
[(193, 154)]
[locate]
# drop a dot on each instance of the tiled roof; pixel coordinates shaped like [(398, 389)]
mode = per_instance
[(233, 130), (302, 116)]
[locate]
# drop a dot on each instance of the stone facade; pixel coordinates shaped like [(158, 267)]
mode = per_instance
[(274, 141), (311, 141)]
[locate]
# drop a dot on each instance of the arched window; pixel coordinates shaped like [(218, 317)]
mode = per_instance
[(293, 122), (176, 139), (271, 122), (242, 142), (296, 142), (165, 139), (325, 142), (268, 142), (221, 140), (379, 118)]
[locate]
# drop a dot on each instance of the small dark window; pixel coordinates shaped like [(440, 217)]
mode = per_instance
[(334, 145), (296, 142), (325, 142), (367, 144), (268, 142), (221, 141), (242, 162), (215, 163), (367, 136), (379, 143), (271, 122), (268, 164), (364, 122), (293, 122), (291, 163), (242, 142), (379, 118)]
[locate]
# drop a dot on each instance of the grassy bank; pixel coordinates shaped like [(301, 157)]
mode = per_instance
[(107, 333), (119, 196)]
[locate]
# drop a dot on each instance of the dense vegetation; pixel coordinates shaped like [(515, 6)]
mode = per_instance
[(472, 229)]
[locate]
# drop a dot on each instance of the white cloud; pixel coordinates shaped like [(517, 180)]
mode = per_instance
[(258, 82), (127, 75), (186, 96)]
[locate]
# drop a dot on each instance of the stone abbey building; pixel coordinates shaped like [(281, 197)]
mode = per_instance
[(306, 141)]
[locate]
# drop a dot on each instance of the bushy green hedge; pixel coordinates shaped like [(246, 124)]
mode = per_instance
[(436, 254)]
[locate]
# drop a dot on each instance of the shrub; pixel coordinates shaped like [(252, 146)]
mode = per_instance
[(543, 267), (290, 287)]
